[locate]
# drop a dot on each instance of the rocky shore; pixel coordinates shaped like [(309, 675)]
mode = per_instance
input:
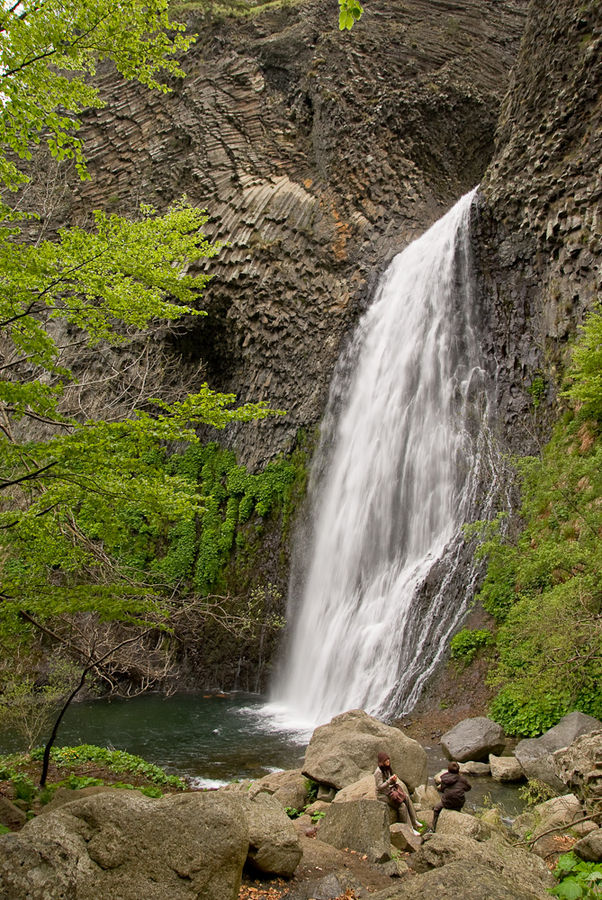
[(319, 831)]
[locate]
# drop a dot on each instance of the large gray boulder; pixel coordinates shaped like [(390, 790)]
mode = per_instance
[(528, 874), (535, 754), (360, 825), (274, 847), (473, 739), (289, 788), (124, 846), (346, 749), (579, 767), (468, 880)]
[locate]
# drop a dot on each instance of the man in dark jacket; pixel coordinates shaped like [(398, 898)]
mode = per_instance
[(453, 786)]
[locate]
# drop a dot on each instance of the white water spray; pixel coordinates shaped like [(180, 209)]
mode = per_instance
[(397, 474)]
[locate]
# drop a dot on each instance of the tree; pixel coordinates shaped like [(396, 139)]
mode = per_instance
[(69, 494)]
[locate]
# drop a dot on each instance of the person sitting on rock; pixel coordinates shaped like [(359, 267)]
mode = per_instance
[(390, 789), (453, 786)]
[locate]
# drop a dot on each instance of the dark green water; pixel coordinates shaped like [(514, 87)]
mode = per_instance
[(214, 738)]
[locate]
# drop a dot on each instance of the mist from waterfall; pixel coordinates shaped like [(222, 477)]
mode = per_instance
[(400, 468)]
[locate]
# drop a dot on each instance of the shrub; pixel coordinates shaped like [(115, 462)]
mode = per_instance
[(466, 644)]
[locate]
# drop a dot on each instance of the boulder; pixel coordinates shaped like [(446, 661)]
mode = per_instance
[(473, 739), (63, 795), (288, 788), (360, 825), (546, 822), (330, 887), (426, 796), (579, 767), (125, 845), (462, 824), (505, 768), (346, 749), (10, 815), (364, 789), (526, 872), (403, 837), (468, 879), (472, 767), (535, 754), (589, 847), (274, 847)]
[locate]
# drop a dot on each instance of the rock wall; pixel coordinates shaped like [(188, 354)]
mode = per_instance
[(538, 233), (318, 156)]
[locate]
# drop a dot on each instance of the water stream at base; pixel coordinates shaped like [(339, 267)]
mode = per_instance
[(405, 459)]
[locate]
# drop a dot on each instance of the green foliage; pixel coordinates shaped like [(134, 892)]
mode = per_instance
[(466, 644), (577, 878), (545, 588), (311, 788), (48, 51), (116, 760), (26, 708), (535, 792), (350, 12), (78, 782), (292, 812), (317, 816), (4, 829), (24, 788), (199, 546), (79, 506)]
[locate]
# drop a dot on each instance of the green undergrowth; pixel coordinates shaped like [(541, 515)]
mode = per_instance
[(577, 878), (543, 587), (197, 549), (80, 767), (117, 761)]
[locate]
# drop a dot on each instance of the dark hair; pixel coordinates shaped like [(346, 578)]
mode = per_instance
[(453, 767)]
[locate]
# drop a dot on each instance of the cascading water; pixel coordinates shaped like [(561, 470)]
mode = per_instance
[(401, 467)]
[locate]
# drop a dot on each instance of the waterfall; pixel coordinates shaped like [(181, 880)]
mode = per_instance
[(404, 461)]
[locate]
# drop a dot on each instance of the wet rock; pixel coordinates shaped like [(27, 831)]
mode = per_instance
[(473, 739)]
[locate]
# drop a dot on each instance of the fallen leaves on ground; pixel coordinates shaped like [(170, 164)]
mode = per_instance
[(275, 889)]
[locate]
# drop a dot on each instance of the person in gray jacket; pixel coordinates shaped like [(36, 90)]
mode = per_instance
[(390, 789)]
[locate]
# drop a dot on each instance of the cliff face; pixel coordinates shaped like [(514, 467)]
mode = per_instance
[(318, 156), (538, 232)]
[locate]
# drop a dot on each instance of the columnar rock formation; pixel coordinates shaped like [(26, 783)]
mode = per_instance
[(318, 156)]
